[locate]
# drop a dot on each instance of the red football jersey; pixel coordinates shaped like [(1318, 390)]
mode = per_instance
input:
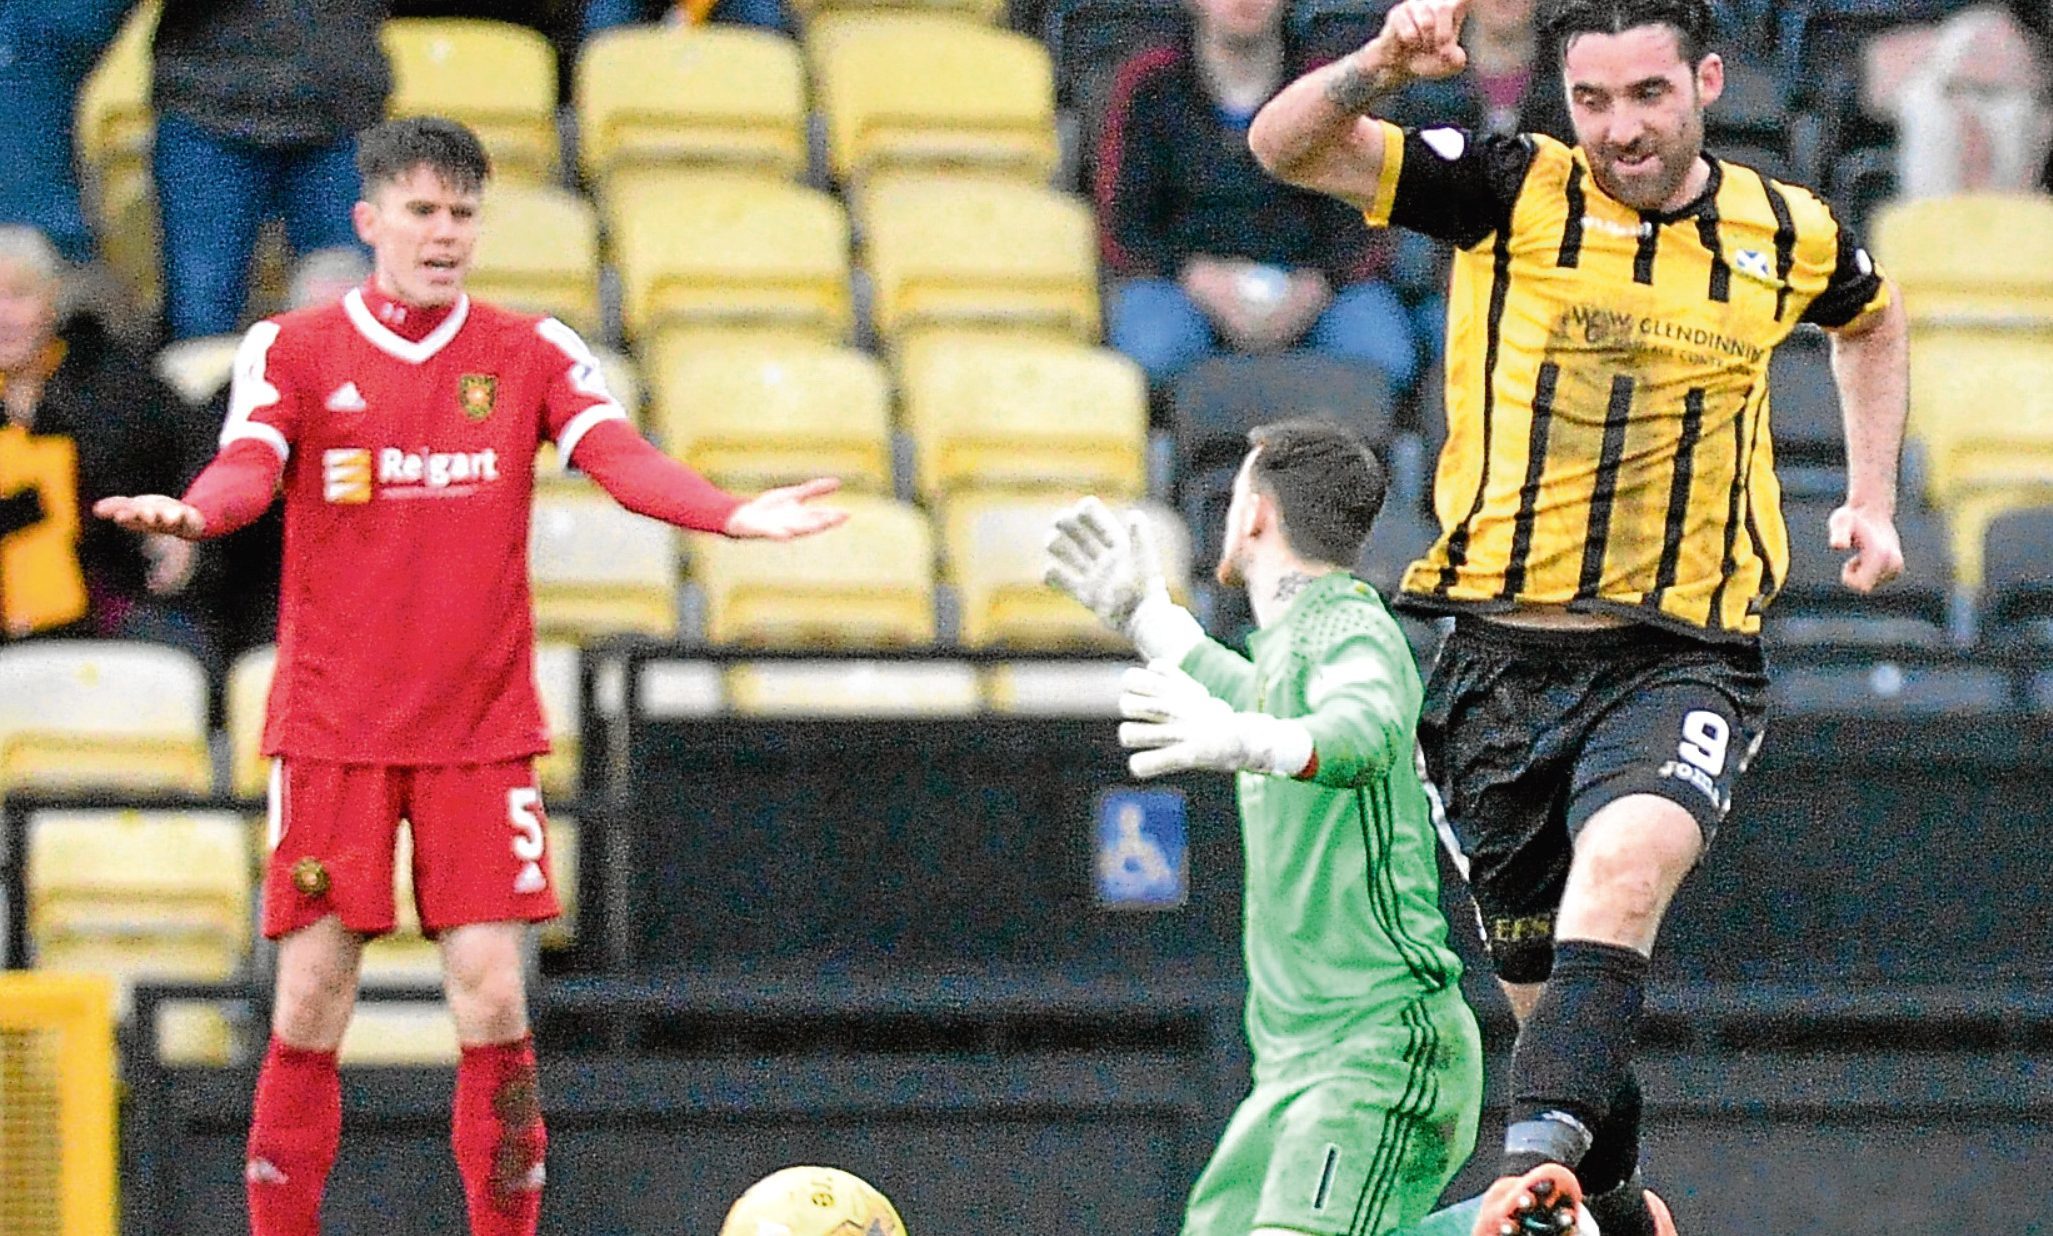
[(405, 620)]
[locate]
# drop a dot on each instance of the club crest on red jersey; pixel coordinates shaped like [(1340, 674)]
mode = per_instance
[(475, 393)]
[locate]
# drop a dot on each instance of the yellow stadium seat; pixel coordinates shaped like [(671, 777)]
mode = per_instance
[(867, 583), (130, 233), (753, 416), (854, 688), (920, 91), (195, 1032), (403, 958), (730, 251), (557, 671), (102, 713), (539, 253), (599, 568), (561, 931), (1026, 414), (1980, 258), (1970, 512), (247, 695), (198, 368), (993, 551), (139, 894), (1982, 405), (947, 252), (400, 1032), (496, 77), (657, 96), (115, 122)]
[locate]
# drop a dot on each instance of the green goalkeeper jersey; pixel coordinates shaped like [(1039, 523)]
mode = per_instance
[(1343, 928)]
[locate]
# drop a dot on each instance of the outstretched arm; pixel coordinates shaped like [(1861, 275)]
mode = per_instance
[(648, 482), (1316, 134), (228, 494), (1870, 364)]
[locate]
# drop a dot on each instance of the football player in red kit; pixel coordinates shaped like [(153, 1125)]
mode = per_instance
[(402, 424)]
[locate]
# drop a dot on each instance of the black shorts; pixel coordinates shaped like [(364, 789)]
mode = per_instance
[(1527, 734)]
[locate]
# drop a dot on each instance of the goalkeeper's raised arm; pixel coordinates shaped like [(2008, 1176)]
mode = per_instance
[(1339, 695)]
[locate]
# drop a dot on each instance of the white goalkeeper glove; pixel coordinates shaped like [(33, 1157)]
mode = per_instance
[(1173, 725), (1110, 566)]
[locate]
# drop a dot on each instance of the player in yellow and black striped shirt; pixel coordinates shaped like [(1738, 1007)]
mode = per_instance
[(1610, 521)]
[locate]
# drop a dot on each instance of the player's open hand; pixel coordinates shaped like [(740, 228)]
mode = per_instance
[(1106, 561), (1877, 553), (153, 513), (782, 514), (1422, 39)]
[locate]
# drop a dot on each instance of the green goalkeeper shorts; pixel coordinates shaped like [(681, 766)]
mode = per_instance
[(1359, 1151)]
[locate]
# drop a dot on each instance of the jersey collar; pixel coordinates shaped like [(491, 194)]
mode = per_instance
[(386, 340)]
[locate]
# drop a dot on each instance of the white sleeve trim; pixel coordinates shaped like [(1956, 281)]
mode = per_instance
[(582, 424), (251, 390)]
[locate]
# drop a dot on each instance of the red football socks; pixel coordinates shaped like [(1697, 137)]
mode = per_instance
[(499, 1138), (293, 1134)]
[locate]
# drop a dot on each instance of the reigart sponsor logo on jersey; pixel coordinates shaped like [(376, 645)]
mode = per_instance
[(475, 393), (354, 475)]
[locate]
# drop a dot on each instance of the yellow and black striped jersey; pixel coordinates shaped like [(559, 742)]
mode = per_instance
[(1607, 378)]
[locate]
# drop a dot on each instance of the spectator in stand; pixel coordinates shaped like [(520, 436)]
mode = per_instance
[(1499, 92), (84, 418), (47, 50), (1968, 96), (1210, 253), (238, 577), (601, 15), (258, 105)]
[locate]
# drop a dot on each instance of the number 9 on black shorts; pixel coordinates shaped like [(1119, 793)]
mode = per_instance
[(1527, 734)]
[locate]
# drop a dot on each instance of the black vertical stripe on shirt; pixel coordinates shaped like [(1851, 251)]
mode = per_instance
[(1500, 290), (1608, 458), (1726, 562), (1650, 243), (1678, 494), (1529, 493), (1769, 583), (1572, 228), (1785, 243), (1707, 234)]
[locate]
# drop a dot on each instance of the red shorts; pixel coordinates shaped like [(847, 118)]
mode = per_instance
[(480, 846)]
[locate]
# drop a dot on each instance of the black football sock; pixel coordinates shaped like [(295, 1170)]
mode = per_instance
[(1573, 1054), (1609, 1173)]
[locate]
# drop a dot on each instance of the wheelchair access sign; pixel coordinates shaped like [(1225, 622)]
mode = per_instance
[(1142, 855)]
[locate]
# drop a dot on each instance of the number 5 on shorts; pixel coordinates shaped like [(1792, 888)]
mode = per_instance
[(524, 813)]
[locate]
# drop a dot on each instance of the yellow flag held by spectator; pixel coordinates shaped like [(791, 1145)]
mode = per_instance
[(40, 582)]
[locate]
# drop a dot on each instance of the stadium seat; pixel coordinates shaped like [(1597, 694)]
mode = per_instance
[(395, 1033), (115, 123), (198, 368), (539, 253), (662, 96), (403, 958), (102, 713), (599, 568), (1055, 688), (139, 894), (1927, 687), (726, 250), (993, 551), (2017, 580), (1813, 608), (1983, 258), (558, 670), (565, 875), (921, 91), (196, 1032), (867, 583), (1026, 414), (756, 415), (496, 77), (1401, 536), (1810, 440), (247, 695), (815, 11), (965, 252), (1982, 406), (853, 688)]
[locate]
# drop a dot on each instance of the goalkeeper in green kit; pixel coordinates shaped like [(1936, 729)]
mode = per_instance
[(1368, 1067)]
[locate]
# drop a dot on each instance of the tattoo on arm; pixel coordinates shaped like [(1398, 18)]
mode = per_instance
[(1353, 90)]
